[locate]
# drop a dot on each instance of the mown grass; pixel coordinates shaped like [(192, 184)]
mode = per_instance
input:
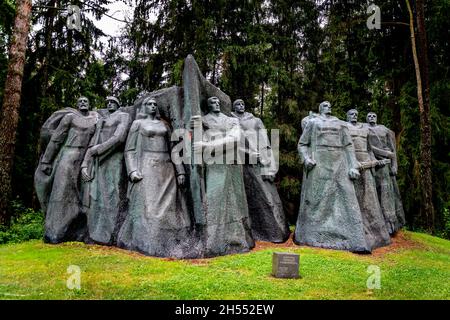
[(34, 270)]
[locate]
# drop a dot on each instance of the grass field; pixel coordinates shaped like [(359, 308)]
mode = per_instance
[(416, 266)]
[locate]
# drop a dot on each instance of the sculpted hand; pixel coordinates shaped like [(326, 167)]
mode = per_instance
[(257, 156), (269, 177), (47, 169), (309, 164), (394, 171), (198, 146), (85, 175), (93, 151), (380, 164), (354, 173), (135, 176), (181, 180)]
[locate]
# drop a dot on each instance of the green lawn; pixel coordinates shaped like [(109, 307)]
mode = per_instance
[(418, 267)]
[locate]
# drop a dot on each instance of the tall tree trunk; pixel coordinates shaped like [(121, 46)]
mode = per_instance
[(423, 96), (425, 118), (11, 103)]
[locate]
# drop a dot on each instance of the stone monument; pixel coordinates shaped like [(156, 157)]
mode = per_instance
[(65, 138), (329, 214), (153, 177), (158, 222), (101, 181), (227, 228), (264, 204), (375, 229), (382, 141), (103, 173)]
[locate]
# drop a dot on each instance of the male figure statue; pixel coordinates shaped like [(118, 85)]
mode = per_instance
[(375, 229), (329, 213), (61, 162), (265, 208), (382, 141), (103, 170), (227, 229)]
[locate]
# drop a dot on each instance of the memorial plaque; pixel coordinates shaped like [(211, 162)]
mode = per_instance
[(285, 265)]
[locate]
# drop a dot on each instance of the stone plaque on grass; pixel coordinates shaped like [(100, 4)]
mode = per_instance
[(285, 265)]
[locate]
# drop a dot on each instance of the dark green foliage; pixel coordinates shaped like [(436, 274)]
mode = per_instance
[(445, 230), (6, 23), (26, 224)]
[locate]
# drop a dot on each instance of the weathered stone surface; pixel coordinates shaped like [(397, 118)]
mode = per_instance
[(158, 221), (136, 193), (329, 214), (103, 170), (220, 229), (382, 141), (57, 177), (285, 265), (375, 229), (227, 224), (196, 91), (268, 220)]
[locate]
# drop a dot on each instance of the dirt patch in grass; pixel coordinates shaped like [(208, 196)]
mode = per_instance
[(262, 245), (400, 241)]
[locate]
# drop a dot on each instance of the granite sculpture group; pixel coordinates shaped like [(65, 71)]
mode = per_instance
[(157, 177)]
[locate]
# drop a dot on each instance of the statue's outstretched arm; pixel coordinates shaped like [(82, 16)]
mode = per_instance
[(117, 139), (131, 149), (353, 163), (304, 143)]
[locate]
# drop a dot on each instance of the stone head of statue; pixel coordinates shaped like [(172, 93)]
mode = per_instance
[(239, 106), (112, 104), (352, 116), (325, 108), (83, 104), (150, 107), (214, 104), (371, 118)]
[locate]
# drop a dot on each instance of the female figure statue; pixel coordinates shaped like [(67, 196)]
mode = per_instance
[(158, 222)]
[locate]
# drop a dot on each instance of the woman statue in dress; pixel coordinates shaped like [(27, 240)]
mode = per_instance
[(158, 222)]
